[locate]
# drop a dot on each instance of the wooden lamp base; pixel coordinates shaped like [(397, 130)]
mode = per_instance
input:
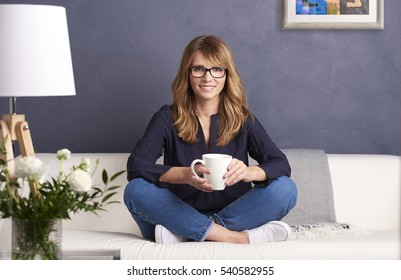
[(14, 128)]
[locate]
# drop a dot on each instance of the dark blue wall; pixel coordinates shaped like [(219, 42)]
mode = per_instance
[(337, 90)]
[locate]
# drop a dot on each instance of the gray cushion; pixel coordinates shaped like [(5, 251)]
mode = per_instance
[(310, 172)]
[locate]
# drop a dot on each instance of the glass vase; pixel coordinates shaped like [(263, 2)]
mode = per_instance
[(36, 239)]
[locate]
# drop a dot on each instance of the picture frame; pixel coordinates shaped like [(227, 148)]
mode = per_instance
[(332, 14)]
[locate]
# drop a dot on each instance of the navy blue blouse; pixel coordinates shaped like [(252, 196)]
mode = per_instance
[(161, 137)]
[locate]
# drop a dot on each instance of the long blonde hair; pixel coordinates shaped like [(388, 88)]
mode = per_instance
[(233, 107)]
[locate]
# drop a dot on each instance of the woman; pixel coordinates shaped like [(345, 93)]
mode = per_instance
[(209, 114)]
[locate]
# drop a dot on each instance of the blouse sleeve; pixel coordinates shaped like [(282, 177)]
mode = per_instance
[(142, 161), (262, 149)]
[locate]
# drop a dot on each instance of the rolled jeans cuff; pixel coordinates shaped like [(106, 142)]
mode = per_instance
[(205, 231)]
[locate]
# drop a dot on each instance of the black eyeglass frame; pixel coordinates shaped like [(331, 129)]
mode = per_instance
[(208, 70)]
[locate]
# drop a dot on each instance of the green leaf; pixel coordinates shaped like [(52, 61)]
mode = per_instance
[(105, 177), (112, 188), (113, 202), (107, 197), (97, 189), (116, 175)]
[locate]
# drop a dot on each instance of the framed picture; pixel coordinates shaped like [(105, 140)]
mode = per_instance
[(333, 14)]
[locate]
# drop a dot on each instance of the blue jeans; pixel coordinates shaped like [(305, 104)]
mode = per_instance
[(150, 205)]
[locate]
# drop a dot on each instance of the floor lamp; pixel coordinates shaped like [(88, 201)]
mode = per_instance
[(35, 60)]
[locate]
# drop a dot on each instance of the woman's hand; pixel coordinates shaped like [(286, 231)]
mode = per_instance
[(198, 182), (239, 171)]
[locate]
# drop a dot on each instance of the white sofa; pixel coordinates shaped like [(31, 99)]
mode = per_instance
[(366, 192)]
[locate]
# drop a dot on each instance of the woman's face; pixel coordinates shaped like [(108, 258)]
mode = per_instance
[(206, 88)]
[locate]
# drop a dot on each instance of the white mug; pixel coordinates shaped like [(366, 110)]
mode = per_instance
[(217, 163)]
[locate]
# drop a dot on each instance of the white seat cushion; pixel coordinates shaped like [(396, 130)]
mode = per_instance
[(374, 246)]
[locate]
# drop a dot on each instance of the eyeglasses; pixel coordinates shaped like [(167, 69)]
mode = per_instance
[(216, 72)]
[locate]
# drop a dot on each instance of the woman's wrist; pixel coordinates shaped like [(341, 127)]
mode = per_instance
[(255, 173), (177, 175)]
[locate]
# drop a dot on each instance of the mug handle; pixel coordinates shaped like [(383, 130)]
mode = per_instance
[(193, 166)]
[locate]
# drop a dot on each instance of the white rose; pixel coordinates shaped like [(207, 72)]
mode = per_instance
[(80, 181), (63, 154), (29, 167)]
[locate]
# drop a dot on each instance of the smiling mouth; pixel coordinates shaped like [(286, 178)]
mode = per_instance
[(207, 87)]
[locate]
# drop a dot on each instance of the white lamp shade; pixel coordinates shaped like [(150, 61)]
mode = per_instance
[(35, 56)]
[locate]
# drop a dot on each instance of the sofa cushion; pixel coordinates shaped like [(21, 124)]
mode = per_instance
[(374, 246), (310, 172)]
